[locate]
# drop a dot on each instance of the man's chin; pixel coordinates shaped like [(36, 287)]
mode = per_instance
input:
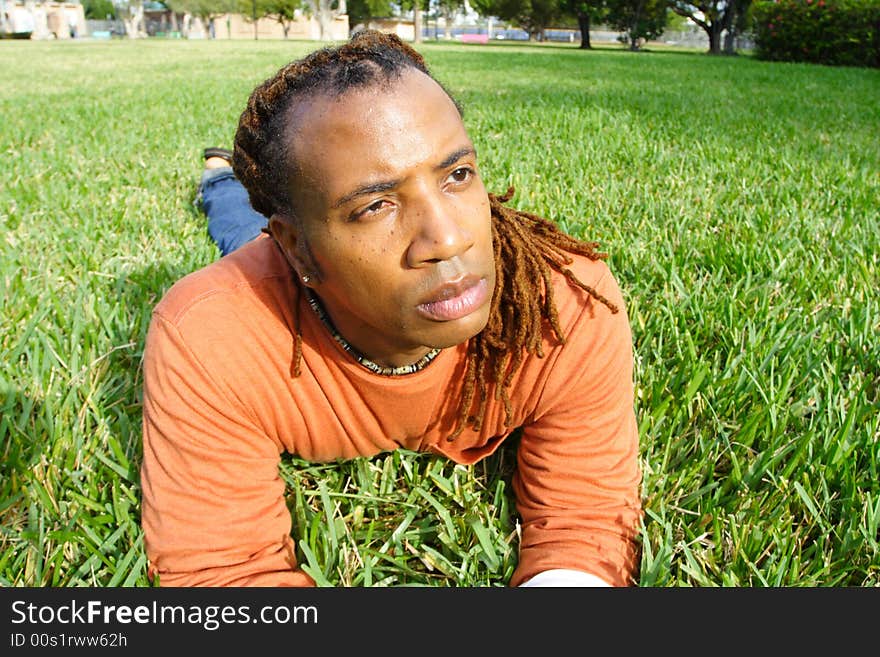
[(456, 332)]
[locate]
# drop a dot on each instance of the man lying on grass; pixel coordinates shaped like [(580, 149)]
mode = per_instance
[(392, 302)]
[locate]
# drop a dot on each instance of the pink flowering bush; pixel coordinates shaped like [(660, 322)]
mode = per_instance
[(834, 32)]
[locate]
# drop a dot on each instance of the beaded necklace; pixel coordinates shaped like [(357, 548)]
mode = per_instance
[(419, 365)]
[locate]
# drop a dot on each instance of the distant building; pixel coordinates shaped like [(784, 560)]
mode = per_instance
[(41, 20), (161, 21), (402, 27), (237, 26), (30, 19)]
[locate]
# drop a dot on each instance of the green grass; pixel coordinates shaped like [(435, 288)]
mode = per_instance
[(738, 201)]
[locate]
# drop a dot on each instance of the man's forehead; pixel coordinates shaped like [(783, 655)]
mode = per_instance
[(403, 85), (411, 113)]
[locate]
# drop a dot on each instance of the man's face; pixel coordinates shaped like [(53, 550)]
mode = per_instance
[(392, 223)]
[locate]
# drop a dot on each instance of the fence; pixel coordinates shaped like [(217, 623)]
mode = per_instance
[(105, 29)]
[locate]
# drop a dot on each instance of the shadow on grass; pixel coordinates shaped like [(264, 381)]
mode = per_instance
[(19, 449)]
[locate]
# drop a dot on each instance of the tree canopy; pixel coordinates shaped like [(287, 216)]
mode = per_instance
[(534, 16), (637, 20)]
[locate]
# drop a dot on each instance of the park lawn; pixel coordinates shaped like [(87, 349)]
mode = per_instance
[(737, 200)]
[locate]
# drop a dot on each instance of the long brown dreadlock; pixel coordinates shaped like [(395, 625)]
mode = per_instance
[(527, 248)]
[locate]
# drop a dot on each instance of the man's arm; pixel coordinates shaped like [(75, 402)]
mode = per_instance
[(213, 502), (577, 481)]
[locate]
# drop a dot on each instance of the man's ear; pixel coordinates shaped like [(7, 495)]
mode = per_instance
[(286, 231)]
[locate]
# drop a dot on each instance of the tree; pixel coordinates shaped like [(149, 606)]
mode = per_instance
[(637, 19), (447, 9), (98, 9), (738, 24), (132, 15), (250, 10), (417, 7), (325, 11), (284, 12), (207, 10), (534, 16), (586, 12), (714, 17), (361, 11)]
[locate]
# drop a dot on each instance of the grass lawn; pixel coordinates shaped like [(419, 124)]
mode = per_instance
[(739, 202)]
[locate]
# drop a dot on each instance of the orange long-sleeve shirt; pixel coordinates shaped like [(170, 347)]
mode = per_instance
[(221, 404)]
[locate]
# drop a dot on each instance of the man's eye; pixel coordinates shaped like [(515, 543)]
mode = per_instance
[(372, 208), (461, 174)]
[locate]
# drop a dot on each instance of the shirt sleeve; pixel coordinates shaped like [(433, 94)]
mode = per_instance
[(213, 508), (578, 476)]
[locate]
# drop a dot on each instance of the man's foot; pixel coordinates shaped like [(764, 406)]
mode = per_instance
[(217, 157)]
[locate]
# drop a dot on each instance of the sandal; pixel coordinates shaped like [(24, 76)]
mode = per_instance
[(226, 154)]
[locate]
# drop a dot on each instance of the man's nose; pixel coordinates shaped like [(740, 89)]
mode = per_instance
[(440, 232)]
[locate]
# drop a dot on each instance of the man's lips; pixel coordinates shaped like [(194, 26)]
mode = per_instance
[(455, 299)]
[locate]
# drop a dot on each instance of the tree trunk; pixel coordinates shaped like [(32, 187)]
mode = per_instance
[(877, 43), (5, 25), (714, 39), (417, 21), (634, 30), (325, 17), (134, 22), (730, 43), (584, 26), (730, 34), (41, 25)]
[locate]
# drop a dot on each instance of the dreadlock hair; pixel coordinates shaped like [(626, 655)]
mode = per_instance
[(527, 248)]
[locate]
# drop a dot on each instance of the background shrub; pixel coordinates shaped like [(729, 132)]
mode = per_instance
[(835, 32)]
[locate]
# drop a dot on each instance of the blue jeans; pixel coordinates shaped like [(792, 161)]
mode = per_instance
[(232, 222)]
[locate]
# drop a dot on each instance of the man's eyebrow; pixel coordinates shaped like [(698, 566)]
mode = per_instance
[(456, 156), (384, 186), (364, 190)]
